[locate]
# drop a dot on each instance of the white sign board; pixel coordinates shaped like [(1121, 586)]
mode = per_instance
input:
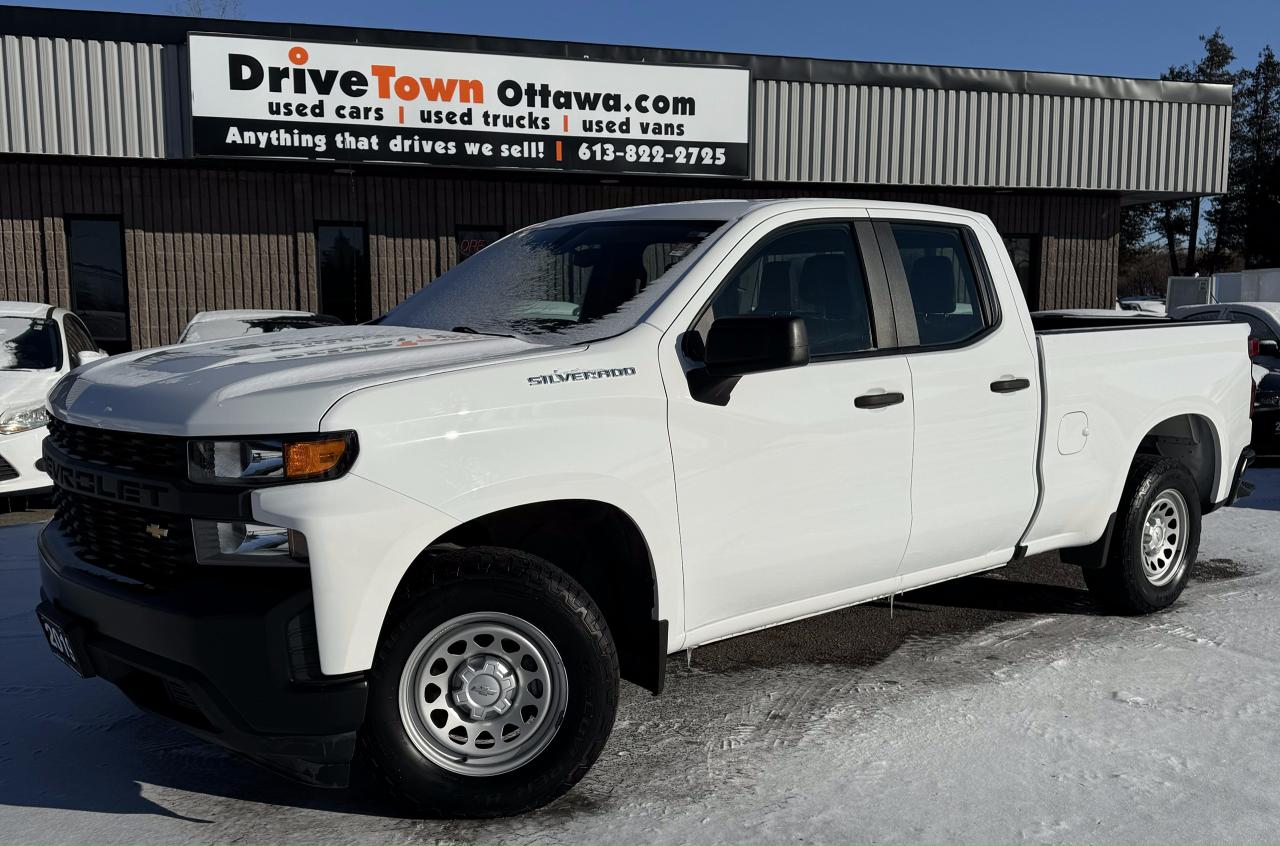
[(347, 102)]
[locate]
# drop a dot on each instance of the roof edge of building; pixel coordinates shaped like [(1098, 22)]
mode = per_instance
[(171, 29)]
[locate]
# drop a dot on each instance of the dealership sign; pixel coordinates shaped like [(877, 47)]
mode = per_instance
[(359, 103)]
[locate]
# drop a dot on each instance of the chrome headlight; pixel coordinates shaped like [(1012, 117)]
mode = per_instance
[(265, 461), (23, 419)]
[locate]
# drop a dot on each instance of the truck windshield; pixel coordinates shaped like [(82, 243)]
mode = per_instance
[(558, 284), (29, 343)]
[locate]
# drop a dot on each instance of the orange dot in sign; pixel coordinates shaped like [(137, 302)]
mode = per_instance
[(298, 55)]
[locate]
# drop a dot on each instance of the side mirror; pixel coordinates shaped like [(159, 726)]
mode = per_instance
[(85, 356), (1271, 348), (754, 343)]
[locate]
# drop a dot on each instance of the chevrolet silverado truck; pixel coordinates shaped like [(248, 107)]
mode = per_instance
[(426, 550)]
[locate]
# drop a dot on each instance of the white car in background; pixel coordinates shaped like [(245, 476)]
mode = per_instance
[(38, 345), (1146, 305), (236, 323)]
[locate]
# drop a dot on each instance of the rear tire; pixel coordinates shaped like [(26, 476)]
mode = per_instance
[(1157, 536), (493, 689)]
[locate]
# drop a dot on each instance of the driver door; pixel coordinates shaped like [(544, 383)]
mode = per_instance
[(794, 496)]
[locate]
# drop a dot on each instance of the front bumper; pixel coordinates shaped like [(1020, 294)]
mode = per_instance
[(18, 456), (231, 655)]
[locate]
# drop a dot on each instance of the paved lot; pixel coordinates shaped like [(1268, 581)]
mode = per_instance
[(1000, 707)]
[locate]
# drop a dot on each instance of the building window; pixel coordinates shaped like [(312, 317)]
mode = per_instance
[(344, 271), (95, 249), (1024, 251), (473, 239)]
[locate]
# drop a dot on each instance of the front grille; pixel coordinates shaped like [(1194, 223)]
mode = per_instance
[(152, 456), (6, 471), (116, 537)]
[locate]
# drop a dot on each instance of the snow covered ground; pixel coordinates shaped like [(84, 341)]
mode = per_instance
[(999, 708)]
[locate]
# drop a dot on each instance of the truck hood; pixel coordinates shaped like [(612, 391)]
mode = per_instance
[(262, 384)]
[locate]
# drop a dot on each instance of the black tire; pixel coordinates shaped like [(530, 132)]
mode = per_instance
[(486, 579), (1122, 584)]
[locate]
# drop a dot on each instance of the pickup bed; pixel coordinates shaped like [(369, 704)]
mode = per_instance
[(435, 543)]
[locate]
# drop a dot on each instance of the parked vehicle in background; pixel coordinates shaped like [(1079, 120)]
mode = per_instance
[(439, 541), (38, 345), (237, 323), (1263, 320), (1146, 305), (1266, 415), (1120, 317)]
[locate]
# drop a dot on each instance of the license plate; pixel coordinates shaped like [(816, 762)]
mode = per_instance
[(63, 640)]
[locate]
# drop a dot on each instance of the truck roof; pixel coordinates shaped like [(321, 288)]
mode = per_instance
[(734, 209)]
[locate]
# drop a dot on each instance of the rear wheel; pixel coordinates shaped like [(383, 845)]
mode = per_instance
[(1156, 539), (494, 687)]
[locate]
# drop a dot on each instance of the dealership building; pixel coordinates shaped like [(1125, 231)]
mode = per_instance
[(152, 167)]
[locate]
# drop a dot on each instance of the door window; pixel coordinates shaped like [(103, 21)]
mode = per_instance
[(78, 338), (344, 272), (813, 272), (1024, 252), (940, 276), (95, 247)]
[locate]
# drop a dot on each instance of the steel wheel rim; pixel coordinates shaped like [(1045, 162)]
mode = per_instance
[(1164, 538), (483, 694)]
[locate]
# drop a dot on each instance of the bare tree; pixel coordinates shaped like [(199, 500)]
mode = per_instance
[(1214, 66), (207, 8)]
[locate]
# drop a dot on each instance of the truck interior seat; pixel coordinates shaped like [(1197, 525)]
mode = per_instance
[(837, 321)]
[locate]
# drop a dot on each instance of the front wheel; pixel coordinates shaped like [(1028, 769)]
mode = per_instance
[(1155, 541), (494, 687)]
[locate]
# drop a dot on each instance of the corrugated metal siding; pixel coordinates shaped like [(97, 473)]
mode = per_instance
[(92, 98), (125, 99), (865, 134), (203, 237)]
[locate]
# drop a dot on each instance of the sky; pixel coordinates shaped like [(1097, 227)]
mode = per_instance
[(1119, 38)]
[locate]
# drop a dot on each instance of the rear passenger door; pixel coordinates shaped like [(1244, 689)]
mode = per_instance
[(975, 384)]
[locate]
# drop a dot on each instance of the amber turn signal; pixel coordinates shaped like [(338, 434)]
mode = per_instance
[(312, 458)]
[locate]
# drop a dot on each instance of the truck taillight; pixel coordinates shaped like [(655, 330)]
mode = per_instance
[(1254, 346)]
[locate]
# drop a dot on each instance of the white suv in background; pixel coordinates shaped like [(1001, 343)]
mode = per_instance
[(38, 345)]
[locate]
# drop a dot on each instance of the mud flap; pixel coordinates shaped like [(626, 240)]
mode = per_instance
[(1094, 555)]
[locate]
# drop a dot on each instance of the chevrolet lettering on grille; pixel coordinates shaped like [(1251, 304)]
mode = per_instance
[(102, 486)]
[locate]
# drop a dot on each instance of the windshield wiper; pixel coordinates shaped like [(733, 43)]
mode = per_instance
[(467, 330)]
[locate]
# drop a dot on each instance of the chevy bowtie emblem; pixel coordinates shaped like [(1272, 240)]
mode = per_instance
[(157, 532)]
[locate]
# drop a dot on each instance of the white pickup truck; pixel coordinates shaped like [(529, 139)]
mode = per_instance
[(433, 545)]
